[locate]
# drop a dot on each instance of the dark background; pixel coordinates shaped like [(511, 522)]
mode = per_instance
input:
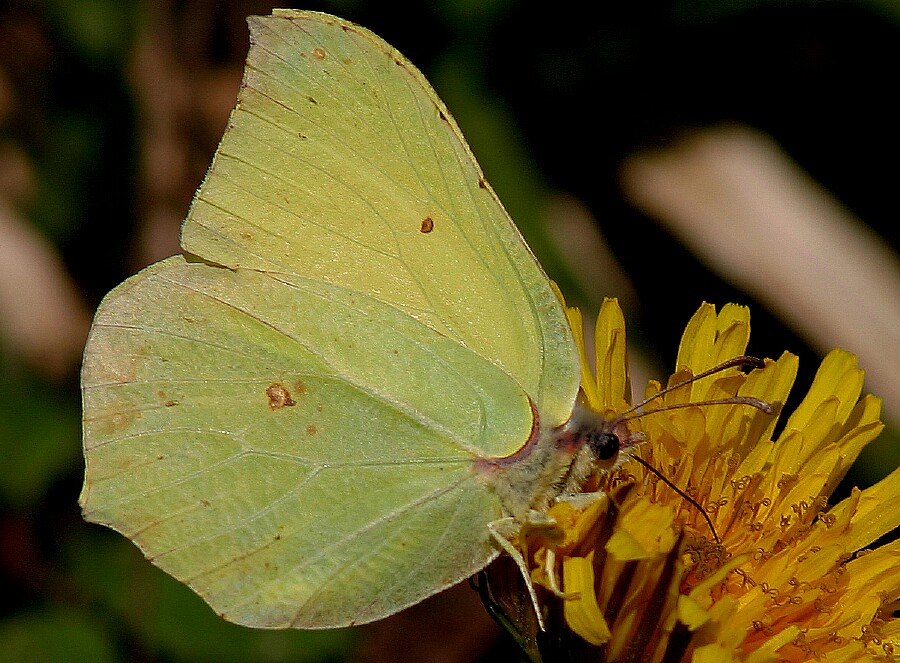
[(110, 112)]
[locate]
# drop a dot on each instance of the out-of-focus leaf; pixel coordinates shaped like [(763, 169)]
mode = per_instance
[(53, 635), (39, 434), (171, 622), (98, 29)]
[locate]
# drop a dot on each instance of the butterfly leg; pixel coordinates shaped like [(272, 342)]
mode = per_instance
[(578, 501), (553, 578), (503, 530), (581, 500)]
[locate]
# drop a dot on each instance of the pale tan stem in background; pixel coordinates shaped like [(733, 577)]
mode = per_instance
[(42, 315), (733, 197)]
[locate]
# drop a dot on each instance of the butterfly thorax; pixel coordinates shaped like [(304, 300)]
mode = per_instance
[(556, 461)]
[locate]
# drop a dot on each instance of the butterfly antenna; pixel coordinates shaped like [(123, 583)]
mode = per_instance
[(683, 494), (635, 413), (743, 361)]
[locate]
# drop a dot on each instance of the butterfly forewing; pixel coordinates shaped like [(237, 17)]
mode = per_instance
[(337, 156)]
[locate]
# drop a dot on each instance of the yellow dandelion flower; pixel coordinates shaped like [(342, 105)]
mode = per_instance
[(639, 574)]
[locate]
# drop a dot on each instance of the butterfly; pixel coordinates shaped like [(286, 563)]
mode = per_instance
[(357, 380)]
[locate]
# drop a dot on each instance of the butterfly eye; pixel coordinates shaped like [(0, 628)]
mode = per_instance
[(604, 446)]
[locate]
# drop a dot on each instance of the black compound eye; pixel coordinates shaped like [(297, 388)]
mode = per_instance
[(604, 446)]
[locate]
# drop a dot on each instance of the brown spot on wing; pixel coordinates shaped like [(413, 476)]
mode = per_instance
[(115, 419), (427, 225), (318, 54), (165, 400), (279, 397), (113, 360), (311, 430)]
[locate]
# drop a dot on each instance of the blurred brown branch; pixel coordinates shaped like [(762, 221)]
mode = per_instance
[(733, 196)]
